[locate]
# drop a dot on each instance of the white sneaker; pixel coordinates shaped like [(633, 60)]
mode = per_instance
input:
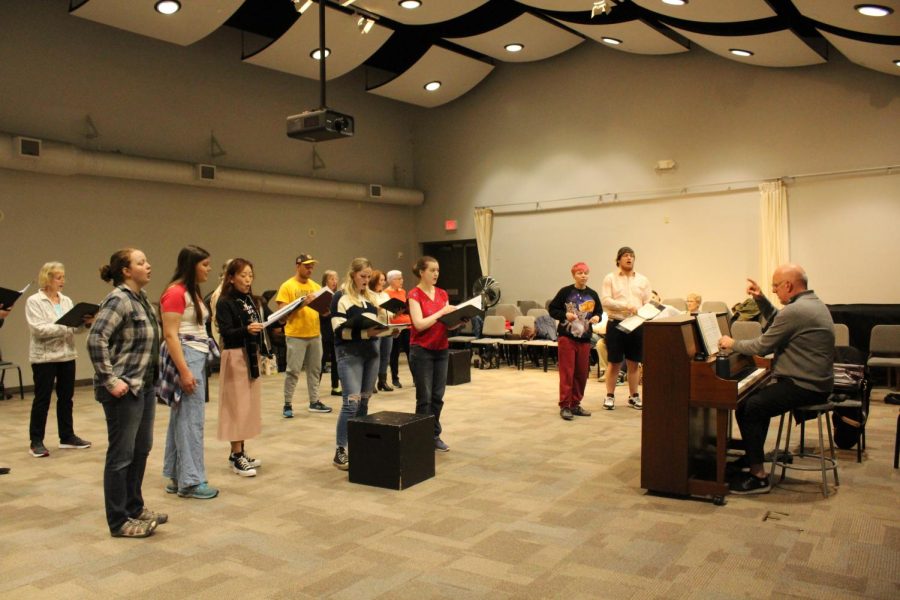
[(241, 466), (609, 403), (635, 401)]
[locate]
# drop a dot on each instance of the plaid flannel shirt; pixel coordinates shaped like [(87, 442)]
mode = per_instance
[(120, 343), (168, 388)]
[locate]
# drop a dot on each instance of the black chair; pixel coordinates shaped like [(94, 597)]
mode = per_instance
[(6, 365)]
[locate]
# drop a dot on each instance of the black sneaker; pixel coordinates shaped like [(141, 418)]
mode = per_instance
[(749, 484), (341, 460), (318, 407), (396, 383), (288, 411), (74, 442), (38, 450), (579, 411), (240, 466), (566, 413), (620, 379), (254, 462)]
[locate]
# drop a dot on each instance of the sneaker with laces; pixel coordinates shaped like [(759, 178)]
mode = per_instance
[(620, 379), (634, 401), (254, 462), (580, 411), (148, 515), (172, 487), (341, 460), (288, 411), (336, 392), (241, 466), (747, 483), (74, 442), (38, 450), (440, 446), (202, 492), (318, 407), (134, 528), (609, 403), (566, 413)]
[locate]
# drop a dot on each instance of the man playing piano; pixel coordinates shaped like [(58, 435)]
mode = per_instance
[(802, 337)]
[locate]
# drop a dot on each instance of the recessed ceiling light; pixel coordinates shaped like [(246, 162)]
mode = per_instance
[(739, 52), (514, 47), (432, 85), (611, 41), (410, 4), (897, 63), (675, 2), (873, 10), (315, 53), (168, 7)]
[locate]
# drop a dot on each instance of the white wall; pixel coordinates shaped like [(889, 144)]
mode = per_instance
[(595, 120)]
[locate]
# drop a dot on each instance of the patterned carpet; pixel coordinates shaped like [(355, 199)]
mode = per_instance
[(525, 505)]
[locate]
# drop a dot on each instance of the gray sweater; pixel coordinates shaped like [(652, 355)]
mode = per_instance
[(802, 338)]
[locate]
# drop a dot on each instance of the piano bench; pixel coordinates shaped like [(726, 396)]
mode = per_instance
[(825, 463)]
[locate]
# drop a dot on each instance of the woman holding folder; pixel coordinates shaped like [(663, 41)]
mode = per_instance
[(52, 357), (353, 309), (428, 344), (240, 389)]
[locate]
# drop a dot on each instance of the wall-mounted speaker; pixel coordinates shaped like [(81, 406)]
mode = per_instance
[(27, 147), (206, 172)]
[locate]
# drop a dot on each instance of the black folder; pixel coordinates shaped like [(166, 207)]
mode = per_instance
[(9, 297), (393, 305), (467, 311), (75, 317)]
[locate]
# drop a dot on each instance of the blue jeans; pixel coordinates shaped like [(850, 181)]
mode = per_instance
[(384, 353), (183, 460), (129, 426), (357, 371), (429, 369)]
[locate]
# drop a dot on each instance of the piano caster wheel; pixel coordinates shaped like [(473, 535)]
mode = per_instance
[(719, 500)]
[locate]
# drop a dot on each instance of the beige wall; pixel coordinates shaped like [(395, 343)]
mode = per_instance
[(595, 121)]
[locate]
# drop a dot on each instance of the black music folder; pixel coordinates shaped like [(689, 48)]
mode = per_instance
[(9, 297), (465, 311), (393, 305), (75, 317)]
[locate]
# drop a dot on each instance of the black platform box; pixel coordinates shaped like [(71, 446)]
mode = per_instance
[(459, 367), (391, 449)]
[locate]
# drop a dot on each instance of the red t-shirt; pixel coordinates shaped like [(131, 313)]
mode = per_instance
[(435, 337)]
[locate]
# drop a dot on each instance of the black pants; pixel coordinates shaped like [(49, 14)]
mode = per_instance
[(46, 376), (754, 413), (401, 344), (129, 426)]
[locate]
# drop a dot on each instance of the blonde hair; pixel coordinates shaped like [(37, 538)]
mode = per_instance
[(348, 287), (47, 271)]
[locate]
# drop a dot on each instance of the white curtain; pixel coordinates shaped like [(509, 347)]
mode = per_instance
[(484, 229), (774, 242)]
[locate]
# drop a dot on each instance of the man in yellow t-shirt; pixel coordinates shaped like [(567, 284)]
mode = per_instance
[(302, 336)]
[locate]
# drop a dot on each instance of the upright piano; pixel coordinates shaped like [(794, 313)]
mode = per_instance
[(687, 409)]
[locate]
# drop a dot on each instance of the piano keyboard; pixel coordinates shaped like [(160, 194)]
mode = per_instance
[(750, 379)]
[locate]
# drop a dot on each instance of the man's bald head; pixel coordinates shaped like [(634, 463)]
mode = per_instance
[(788, 281)]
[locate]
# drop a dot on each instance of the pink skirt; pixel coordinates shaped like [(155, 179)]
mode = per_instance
[(240, 414)]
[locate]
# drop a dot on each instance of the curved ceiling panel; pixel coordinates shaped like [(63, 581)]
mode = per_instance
[(292, 52), (539, 39), (839, 13), (457, 73), (193, 22), (880, 57), (776, 49), (712, 11), (636, 37), (431, 11)]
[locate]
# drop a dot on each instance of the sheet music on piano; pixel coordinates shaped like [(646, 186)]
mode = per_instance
[(709, 331)]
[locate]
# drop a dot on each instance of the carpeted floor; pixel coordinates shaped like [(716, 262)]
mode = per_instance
[(525, 505)]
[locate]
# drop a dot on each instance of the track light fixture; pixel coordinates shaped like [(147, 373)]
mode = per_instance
[(365, 25), (301, 6)]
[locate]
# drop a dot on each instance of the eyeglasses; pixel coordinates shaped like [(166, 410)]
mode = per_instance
[(775, 286)]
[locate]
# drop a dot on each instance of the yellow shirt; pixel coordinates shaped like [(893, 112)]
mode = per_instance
[(304, 322)]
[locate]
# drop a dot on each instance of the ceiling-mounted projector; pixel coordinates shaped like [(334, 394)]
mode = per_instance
[(319, 125)]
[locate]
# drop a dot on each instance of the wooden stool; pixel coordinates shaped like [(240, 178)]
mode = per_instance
[(825, 463)]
